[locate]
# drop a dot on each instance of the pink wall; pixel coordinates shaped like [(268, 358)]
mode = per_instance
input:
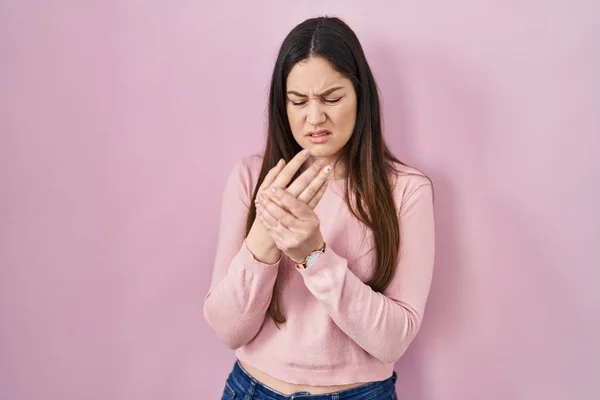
[(119, 122)]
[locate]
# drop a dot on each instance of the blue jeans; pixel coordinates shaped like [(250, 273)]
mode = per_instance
[(242, 386)]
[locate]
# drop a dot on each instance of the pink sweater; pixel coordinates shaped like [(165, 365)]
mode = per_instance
[(338, 331)]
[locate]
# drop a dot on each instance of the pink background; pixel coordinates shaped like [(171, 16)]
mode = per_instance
[(119, 122)]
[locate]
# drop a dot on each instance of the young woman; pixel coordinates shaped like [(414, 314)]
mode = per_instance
[(326, 244)]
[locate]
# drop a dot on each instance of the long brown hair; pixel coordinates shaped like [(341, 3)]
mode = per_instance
[(369, 162)]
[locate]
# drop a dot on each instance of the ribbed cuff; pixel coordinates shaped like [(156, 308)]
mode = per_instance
[(326, 274), (248, 258)]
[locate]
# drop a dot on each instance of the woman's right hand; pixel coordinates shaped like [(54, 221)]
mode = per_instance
[(309, 187)]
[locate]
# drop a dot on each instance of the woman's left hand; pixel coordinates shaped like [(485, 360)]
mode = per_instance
[(295, 227)]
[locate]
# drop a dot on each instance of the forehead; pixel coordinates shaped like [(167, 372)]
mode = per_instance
[(314, 74)]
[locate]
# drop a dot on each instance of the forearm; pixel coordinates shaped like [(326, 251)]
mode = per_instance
[(261, 245), (381, 326), (236, 307)]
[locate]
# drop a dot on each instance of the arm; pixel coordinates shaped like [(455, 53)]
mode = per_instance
[(241, 287), (383, 324)]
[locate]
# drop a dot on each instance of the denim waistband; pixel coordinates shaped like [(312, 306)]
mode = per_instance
[(241, 380)]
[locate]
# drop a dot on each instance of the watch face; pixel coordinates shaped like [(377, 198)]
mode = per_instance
[(312, 257)]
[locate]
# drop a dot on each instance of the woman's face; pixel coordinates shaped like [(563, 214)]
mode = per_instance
[(321, 107)]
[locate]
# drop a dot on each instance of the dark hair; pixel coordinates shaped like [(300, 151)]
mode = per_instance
[(369, 162)]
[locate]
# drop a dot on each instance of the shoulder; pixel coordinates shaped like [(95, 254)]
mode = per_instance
[(252, 163), (250, 166), (406, 181), (245, 173)]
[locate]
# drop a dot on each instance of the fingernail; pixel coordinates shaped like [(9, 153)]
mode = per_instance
[(259, 198), (327, 169), (273, 190), (305, 152), (280, 162)]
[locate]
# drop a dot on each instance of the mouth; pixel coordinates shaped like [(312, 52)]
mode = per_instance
[(318, 137), (320, 133)]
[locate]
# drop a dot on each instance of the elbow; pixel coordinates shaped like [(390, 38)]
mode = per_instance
[(394, 352), (230, 333), (396, 346), (233, 342)]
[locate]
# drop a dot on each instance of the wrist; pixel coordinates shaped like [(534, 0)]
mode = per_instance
[(312, 257), (265, 255), (263, 249)]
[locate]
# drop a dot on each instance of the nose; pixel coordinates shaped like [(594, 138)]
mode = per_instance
[(316, 114)]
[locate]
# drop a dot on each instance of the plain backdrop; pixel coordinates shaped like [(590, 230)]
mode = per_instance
[(120, 121)]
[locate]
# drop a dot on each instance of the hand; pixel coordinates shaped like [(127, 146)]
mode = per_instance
[(294, 226), (309, 187)]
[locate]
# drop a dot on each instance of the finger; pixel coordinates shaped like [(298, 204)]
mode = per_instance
[(315, 200), (287, 173), (262, 219), (293, 206), (262, 194), (301, 182), (266, 217), (270, 177), (280, 238), (264, 223), (272, 174), (269, 208), (314, 185), (278, 231)]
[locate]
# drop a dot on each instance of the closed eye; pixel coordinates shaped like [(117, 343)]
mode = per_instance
[(303, 102)]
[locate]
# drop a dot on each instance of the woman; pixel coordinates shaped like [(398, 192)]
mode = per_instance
[(326, 243)]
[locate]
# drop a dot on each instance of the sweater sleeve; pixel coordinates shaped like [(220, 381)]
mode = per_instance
[(241, 287), (383, 324)]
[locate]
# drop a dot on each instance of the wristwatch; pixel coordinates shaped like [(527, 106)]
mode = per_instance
[(311, 258)]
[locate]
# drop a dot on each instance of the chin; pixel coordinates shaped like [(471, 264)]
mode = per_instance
[(322, 151)]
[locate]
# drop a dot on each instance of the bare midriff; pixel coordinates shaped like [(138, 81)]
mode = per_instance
[(290, 388)]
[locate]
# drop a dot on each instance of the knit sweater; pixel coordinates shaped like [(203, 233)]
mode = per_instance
[(338, 330)]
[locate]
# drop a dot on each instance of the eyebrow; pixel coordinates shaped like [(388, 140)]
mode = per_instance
[(325, 93)]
